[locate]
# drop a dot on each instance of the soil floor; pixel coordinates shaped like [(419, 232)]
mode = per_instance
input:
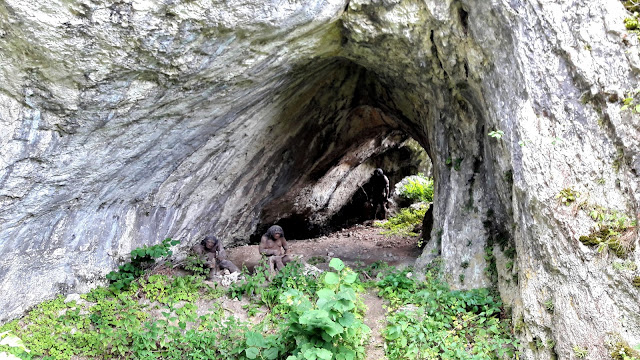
[(359, 245)]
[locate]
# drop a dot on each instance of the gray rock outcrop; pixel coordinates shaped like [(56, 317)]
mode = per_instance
[(129, 121)]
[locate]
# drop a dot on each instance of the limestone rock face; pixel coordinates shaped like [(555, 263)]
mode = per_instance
[(129, 121)]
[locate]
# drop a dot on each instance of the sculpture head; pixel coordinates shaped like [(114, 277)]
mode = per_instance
[(273, 230), (210, 242)]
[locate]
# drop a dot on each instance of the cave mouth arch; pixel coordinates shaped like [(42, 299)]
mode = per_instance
[(354, 123)]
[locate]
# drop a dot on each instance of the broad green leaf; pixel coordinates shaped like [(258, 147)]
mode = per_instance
[(333, 328), (337, 264), (347, 294), (255, 339), (270, 353), (324, 354), (326, 294), (350, 278), (252, 352), (331, 278), (347, 319)]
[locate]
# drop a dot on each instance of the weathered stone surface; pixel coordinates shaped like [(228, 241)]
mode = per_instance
[(129, 121)]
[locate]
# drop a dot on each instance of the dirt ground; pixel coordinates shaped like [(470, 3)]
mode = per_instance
[(359, 245)]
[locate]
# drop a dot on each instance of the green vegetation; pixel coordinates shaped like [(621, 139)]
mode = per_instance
[(405, 221), (548, 304), (141, 258), (330, 328), (156, 317), (496, 134), (196, 264), (630, 102), (613, 232), (429, 321), (416, 188), (580, 352), (315, 260), (620, 350), (636, 281), (567, 196), (625, 266), (11, 342)]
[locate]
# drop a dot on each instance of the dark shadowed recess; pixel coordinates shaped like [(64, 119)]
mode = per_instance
[(370, 111)]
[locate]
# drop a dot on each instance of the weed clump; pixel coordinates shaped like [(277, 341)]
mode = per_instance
[(614, 231), (613, 239), (636, 281), (416, 188), (567, 196), (405, 221), (432, 322), (620, 350)]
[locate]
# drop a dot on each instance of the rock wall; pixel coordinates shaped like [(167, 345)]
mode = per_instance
[(130, 121)]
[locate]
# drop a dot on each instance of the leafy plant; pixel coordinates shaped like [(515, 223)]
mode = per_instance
[(567, 196), (625, 266), (315, 260), (251, 286), (580, 352), (433, 322), (140, 259), (197, 265), (497, 134), (630, 102), (330, 328), (14, 346), (416, 188), (548, 304), (405, 221)]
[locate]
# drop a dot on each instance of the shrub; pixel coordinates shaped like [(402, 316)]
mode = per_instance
[(405, 221), (140, 259), (416, 188)]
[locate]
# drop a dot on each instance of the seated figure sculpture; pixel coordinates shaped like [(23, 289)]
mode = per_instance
[(215, 257), (274, 246)]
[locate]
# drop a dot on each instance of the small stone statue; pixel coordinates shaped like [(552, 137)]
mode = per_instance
[(215, 257), (274, 246)]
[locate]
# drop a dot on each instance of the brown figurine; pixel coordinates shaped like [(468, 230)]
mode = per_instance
[(380, 196), (214, 255), (274, 246)]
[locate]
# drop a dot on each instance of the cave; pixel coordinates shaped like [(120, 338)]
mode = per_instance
[(137, 121)]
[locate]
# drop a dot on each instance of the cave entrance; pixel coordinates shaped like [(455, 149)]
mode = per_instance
[(353, 122)]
